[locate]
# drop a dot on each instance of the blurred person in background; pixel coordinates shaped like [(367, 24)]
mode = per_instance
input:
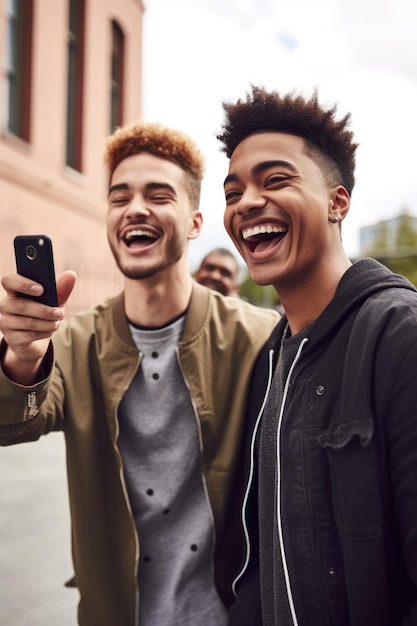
[(219, 270)]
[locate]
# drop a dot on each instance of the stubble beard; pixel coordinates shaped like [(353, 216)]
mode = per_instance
[(173, 254)]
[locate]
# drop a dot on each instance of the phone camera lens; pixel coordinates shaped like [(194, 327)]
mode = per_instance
[(31, 253)]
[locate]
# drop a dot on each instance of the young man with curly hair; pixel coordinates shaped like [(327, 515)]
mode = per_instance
[(149, 388), (330, 507)]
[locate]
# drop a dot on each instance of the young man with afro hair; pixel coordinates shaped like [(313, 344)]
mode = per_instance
[(150, 390), (329, 513)]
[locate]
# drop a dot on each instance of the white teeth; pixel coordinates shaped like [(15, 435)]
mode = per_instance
[(139, 233), (260, 230)]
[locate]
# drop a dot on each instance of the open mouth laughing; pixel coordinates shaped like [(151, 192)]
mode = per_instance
[(263, 237), (139, 237)]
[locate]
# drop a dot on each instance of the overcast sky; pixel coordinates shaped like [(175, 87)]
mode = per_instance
[(360, 54)]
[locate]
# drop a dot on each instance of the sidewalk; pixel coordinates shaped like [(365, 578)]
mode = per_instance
[(35, 551)]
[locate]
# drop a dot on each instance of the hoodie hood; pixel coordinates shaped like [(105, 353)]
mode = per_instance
[(363, 279)]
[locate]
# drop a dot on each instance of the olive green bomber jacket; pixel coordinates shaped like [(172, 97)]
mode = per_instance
[(88, 369)]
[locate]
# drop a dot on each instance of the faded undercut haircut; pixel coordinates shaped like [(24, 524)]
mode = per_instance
[(160, 141), (327, 140)]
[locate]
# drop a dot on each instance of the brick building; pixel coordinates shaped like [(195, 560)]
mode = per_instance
[(71, 72)]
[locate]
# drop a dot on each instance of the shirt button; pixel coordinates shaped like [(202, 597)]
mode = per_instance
[(155, 376), (193, 547), (320, 390), (155, 355), (331, 572)]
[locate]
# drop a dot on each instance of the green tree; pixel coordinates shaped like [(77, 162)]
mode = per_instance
[(406, 235), (258, 295), (380, 243), (398, 252)]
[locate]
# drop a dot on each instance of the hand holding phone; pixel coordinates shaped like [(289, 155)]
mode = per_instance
[(27, 330), (34, 259)]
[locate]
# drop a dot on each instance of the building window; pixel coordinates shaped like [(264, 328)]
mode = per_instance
[(19, 19), (75, 83), (117, 72)]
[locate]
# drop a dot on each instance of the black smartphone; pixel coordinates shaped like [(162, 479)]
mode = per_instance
[(35, 260)]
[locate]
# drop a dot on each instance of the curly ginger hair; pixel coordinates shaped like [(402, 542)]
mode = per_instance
[(160, 141)]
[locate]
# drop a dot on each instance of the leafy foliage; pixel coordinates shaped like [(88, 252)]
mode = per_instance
[(260, 296), (397, 249)]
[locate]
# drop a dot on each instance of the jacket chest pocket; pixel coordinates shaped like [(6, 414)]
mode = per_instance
[(353, 470)]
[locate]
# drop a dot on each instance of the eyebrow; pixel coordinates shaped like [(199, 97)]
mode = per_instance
[(149, 186), (261, 167)]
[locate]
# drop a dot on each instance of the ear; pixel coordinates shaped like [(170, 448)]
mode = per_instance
[(195, 225), (339, 203)]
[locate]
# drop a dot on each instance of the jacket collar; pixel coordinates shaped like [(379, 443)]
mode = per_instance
[(197, 314)]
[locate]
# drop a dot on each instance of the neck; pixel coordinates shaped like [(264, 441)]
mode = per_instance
[(303, 302), (154, 301)]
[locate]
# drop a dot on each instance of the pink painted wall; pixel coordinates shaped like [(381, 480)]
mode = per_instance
[(38, 192)]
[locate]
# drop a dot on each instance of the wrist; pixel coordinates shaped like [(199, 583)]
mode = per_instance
[(24, 371)]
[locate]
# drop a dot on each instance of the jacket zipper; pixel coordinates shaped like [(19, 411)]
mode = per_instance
[(251, 471), (250, 478), (278, 502), (123, 483)]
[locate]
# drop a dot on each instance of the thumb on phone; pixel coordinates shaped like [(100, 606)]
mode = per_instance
[(64, 286)]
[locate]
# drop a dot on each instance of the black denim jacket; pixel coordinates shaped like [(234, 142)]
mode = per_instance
[(356, 381)]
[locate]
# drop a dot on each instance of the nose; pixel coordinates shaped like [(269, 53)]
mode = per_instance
[(137, 206), (216, 274), (249, 201)]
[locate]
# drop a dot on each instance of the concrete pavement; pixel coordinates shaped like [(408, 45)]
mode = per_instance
[(35, 551)]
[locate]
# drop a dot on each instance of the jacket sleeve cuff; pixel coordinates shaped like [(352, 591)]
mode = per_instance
[(20, 403)]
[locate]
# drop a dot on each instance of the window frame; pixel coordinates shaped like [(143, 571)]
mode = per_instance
[(18, 61), (75, 84), (117, 80)]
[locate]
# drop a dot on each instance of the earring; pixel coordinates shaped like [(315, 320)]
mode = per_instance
[(334, 219)]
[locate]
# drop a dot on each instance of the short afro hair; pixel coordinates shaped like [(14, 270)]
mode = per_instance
[(327, 140), (160, 141)]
